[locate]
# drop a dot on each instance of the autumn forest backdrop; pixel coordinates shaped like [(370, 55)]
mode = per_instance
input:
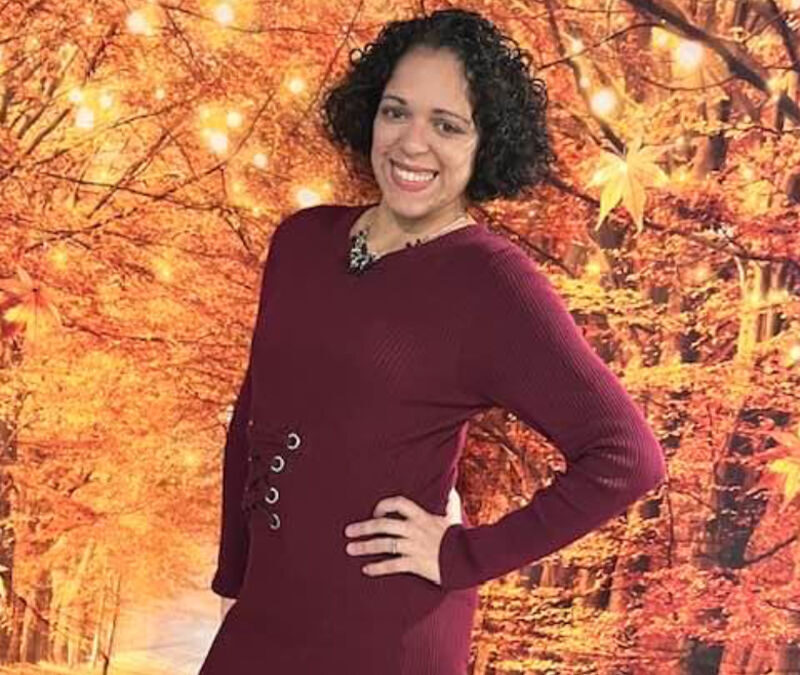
[(149, 149)]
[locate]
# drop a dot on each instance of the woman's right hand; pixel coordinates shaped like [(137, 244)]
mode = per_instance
[(225, 605), (453, 516)]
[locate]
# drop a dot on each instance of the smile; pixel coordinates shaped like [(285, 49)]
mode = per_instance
[(412, 180)]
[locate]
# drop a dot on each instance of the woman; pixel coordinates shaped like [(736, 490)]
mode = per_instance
[(382, 329)]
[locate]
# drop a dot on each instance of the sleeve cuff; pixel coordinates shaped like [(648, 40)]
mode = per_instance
[(458, 567), (553, 519), (226, 588)]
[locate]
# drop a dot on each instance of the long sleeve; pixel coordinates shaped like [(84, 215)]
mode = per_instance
[(233, 547), (524, 353), (232, 556)]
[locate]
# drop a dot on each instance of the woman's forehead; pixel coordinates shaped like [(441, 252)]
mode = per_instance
[(430, 79)]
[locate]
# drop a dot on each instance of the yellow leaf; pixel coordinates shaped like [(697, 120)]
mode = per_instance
[(633, 197), (28, 304), (625, 179), (789, 468), (609, 198), (789, 441)]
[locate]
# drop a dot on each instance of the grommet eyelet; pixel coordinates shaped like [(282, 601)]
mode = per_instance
[(281, 462), (293, 441), (272, 491), (276, 521)]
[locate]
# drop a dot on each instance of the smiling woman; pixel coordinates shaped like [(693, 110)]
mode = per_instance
[(382, 330), (423, 142), (483, 88), (471, 129)]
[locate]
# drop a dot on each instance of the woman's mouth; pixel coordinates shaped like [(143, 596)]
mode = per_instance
[(411, 181)]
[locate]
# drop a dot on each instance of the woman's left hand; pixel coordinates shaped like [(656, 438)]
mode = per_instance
[(418, 537)]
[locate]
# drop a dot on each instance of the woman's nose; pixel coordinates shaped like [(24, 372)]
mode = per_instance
[(414, 139)]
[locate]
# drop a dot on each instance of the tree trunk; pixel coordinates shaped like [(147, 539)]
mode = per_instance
[(736, 514), (11, 610), (112, 624), (98, 631)]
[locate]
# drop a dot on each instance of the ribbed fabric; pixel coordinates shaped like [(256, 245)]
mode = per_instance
[(374, 378)]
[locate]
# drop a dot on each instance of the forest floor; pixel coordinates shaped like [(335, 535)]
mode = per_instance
[(168, 637), (122, 668)]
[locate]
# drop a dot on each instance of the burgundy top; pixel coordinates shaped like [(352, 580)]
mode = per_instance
[(361, 387)]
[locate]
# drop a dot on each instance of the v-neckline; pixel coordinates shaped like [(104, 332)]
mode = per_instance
[(355, 212)]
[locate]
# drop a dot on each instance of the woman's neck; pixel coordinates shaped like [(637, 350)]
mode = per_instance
[(389, 231)]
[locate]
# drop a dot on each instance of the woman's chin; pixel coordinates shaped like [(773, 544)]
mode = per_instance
[(407, 206)]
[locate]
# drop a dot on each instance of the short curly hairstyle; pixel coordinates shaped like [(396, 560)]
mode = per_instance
[(508, 102)]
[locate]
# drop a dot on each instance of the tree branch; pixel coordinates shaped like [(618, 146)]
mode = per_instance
[(735, 63)]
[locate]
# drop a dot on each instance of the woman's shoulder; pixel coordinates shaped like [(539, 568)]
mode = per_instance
[(498, 264), (314, 214), (491, 250), (314, 218)]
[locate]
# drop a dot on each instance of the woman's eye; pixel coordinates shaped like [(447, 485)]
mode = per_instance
[(449, 128), (396, 113), (391, 112)]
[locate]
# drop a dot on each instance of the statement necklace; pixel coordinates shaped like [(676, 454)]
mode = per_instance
[(362, 258)]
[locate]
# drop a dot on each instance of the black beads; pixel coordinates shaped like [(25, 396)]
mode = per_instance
[(360, 257)]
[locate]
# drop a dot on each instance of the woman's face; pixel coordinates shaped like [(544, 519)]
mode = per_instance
[(423, 137)]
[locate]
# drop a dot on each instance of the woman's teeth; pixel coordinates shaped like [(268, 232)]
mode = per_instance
[(413, 176)]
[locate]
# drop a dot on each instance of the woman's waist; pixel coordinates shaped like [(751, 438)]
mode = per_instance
[(309, 574)]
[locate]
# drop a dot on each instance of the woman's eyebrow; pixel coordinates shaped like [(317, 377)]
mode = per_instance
[(436, 110)]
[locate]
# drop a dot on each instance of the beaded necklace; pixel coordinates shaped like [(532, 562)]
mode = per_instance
[(362, 258)]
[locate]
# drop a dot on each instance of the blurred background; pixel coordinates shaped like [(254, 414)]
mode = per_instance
[(147, 152)]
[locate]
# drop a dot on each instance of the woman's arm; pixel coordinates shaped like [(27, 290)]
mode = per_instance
[(525, 353), (232, 555), (233, 548)]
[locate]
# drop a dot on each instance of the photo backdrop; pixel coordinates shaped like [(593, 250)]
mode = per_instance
[(149, 149)]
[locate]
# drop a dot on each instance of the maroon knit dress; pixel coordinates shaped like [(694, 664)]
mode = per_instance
[(360, 387)]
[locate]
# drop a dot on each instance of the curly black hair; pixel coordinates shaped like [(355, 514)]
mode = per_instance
[(508, 102)]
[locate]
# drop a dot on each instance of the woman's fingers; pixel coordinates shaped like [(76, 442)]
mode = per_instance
[(418, 541), (399, 504), (377, 526), (382, 545), (393, 566)]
